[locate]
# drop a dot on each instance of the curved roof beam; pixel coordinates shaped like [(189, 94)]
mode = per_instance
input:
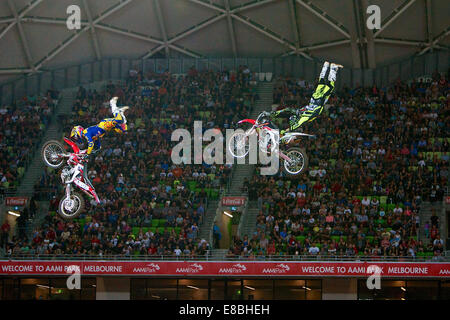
[(75, 36), (21, 13), (185, 33), (394, 15), (436, 41), (7, 20), (162, 26), (264, 30), (209, 5), (325, 17), (22, 36), (95, 41), (317, 46), (250, 5), (231, 28)]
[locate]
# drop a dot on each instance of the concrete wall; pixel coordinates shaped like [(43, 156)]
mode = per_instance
[(339, 289), (113, 288)]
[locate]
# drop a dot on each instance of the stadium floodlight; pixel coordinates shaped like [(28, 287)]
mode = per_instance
[(309, 289), (228, 214), (192, 287), (44, 287), (403, 288), (16, 214), (250, 288)]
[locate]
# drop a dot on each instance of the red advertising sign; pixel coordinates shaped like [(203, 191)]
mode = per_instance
[(204, 268), (233, 201), (447, 200), (16, 201)]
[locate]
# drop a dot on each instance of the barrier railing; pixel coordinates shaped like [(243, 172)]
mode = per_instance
[(114, 68), (207, 257)]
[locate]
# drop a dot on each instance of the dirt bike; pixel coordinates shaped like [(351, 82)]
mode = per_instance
[(294, 159), (54, 155)]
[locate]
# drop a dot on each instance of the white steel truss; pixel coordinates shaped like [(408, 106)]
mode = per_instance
[(162, 27), (219, 12), (92, 28), (231, 28), (325, 17), (394, 15), (22, 36)]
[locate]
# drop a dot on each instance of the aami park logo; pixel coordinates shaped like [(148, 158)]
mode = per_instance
[(235, 268), (279, 268), (149, 268), (192, 268)]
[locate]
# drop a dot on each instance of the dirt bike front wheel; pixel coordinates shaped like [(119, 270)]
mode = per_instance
[(70, 208), (238, 145), (52, 154), (298, 163)]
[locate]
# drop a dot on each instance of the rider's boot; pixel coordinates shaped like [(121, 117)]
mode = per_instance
[(113, 104), (333, 71), (325, 66), (116, 110)]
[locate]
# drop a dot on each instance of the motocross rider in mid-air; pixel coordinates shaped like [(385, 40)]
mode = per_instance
[(298, 116), (93, 134)]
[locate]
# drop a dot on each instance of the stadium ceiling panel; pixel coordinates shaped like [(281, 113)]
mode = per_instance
[(34, 36)]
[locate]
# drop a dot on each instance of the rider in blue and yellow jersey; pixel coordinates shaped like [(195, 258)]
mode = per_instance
[(94, 133)]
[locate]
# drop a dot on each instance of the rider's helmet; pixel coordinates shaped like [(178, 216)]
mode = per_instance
[(77, 132)]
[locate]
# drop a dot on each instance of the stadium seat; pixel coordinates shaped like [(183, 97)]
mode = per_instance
[(262, 76), (161, 229)]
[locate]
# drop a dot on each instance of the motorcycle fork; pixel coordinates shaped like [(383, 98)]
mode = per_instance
[(68, 191), (285, 157)]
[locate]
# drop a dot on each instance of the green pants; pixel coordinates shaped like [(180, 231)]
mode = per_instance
[(319, 98)]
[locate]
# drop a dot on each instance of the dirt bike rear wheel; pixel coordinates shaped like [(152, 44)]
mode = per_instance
[(71, 210), (238, 145), (50, 154), (299, 161)]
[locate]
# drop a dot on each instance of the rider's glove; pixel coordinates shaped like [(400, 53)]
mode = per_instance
[(83, 156), (282, 132)]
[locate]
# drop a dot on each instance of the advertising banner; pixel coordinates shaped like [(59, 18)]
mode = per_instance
[(233, 201), (236, 268), (16, 201)]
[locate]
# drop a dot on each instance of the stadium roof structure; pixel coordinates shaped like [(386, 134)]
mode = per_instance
[(34, 35)]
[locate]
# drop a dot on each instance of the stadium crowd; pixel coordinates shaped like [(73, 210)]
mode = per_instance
[(378, 154), (23, 125), (148, 205), (360, 196)]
